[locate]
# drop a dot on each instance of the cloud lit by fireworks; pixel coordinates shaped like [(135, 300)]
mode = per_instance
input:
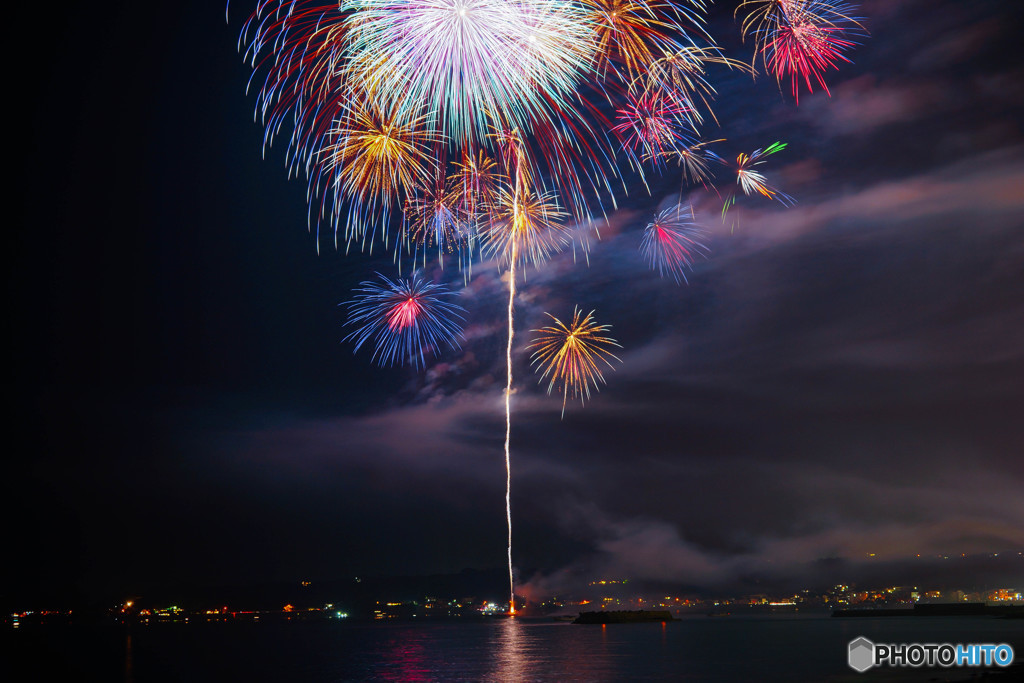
[(570, 356), (404, 318), (671, 242)]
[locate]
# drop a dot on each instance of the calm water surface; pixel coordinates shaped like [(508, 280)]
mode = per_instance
[(730, 649)]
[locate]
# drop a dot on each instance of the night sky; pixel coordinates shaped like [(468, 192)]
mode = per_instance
[(840, 378)]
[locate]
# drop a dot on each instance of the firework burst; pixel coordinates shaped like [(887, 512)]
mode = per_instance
[(632, 34), (671, 242), (570, 356), (372, 160), (800, 40), (434, 221), (477, 120), (751, 181), (299, 54), (652, 126), (526, 226), (695, 161), (475, 184), (470, 63), (684, 73), (404, 318)]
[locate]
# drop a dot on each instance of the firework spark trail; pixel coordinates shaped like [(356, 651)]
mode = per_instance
[(517, 217), (652, 126), (526, 227), (508, 428)]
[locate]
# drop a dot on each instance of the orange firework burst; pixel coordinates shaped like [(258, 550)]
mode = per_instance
[(570, 355), (475, 183), (525, 225), (373, 159), (633, 33)]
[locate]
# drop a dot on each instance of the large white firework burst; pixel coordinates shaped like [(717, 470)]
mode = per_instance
[(473, 65)]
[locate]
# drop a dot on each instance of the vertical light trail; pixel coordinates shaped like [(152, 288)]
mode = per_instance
[(508, 384), (508, 427)]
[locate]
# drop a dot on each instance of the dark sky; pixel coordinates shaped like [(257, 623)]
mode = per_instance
[(840, 378)]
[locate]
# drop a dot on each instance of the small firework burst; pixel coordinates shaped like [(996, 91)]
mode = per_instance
[(752, 181), (475, 184), (404, 318), (570, 356), (695, 161), (525, 226), (434, 221), (671, 242), (653, 125)]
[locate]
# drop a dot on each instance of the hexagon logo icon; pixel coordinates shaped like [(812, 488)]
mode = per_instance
[(861, 654)]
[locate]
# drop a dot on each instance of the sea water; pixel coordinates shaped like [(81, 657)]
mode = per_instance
[(730, 649)]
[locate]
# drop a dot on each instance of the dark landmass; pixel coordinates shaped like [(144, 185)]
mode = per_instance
[(623, 617)]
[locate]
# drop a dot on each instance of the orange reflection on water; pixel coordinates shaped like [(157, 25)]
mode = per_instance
[(512, 651)]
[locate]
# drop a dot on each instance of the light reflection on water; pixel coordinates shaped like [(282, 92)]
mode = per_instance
[(513, 652), (525, 653), (407, 660), (516, 650), (128, 672), (502, 651)]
